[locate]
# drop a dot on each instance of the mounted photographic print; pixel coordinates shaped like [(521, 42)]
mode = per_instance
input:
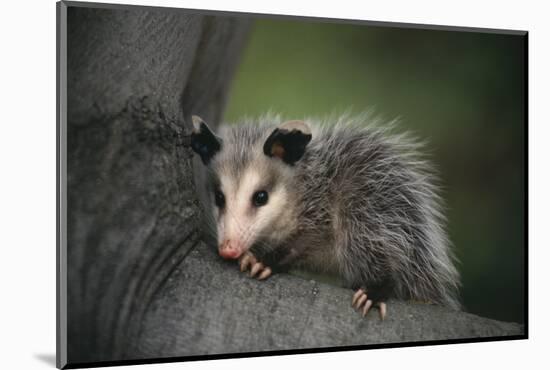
[(235, 184)]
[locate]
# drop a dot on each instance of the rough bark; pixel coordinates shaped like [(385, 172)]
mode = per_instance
[(140, 282)]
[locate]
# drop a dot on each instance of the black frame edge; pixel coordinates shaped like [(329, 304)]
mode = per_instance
[(61, 94), (526, 186)]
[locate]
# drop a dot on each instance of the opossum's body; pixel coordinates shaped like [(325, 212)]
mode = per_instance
[(355, 201)]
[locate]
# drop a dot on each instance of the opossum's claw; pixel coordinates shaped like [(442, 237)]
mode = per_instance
[(367, 307), (265, 273), (247, 260), (262, 271), (356, 296), (383, 310), (256, 268), (361, 300)]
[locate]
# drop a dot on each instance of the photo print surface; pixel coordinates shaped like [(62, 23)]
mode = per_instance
[(239, 184)]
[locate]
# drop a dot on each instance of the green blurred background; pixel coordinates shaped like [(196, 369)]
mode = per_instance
[(462, 91)]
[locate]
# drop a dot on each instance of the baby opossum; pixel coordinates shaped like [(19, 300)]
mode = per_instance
[(340, 197)]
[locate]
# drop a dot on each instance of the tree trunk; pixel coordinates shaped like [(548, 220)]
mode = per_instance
[(140, 282), (134, 76)]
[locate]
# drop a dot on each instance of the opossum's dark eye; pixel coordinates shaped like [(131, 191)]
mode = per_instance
[(219, 198), (260, 198)]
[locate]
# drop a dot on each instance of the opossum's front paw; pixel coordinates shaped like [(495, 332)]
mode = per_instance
[(362, 301), (248, 262)]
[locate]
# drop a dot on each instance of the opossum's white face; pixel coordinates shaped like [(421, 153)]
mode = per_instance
[(252, 209), (251, 183)]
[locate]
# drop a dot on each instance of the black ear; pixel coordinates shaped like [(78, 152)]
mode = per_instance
[(203, 140), (288, 141)]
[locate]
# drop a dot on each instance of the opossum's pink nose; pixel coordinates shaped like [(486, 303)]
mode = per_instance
[(230, 250)]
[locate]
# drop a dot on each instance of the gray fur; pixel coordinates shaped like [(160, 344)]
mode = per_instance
[(366, 206)]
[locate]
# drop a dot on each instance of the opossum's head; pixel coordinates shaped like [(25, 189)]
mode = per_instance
[(252, 182)]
